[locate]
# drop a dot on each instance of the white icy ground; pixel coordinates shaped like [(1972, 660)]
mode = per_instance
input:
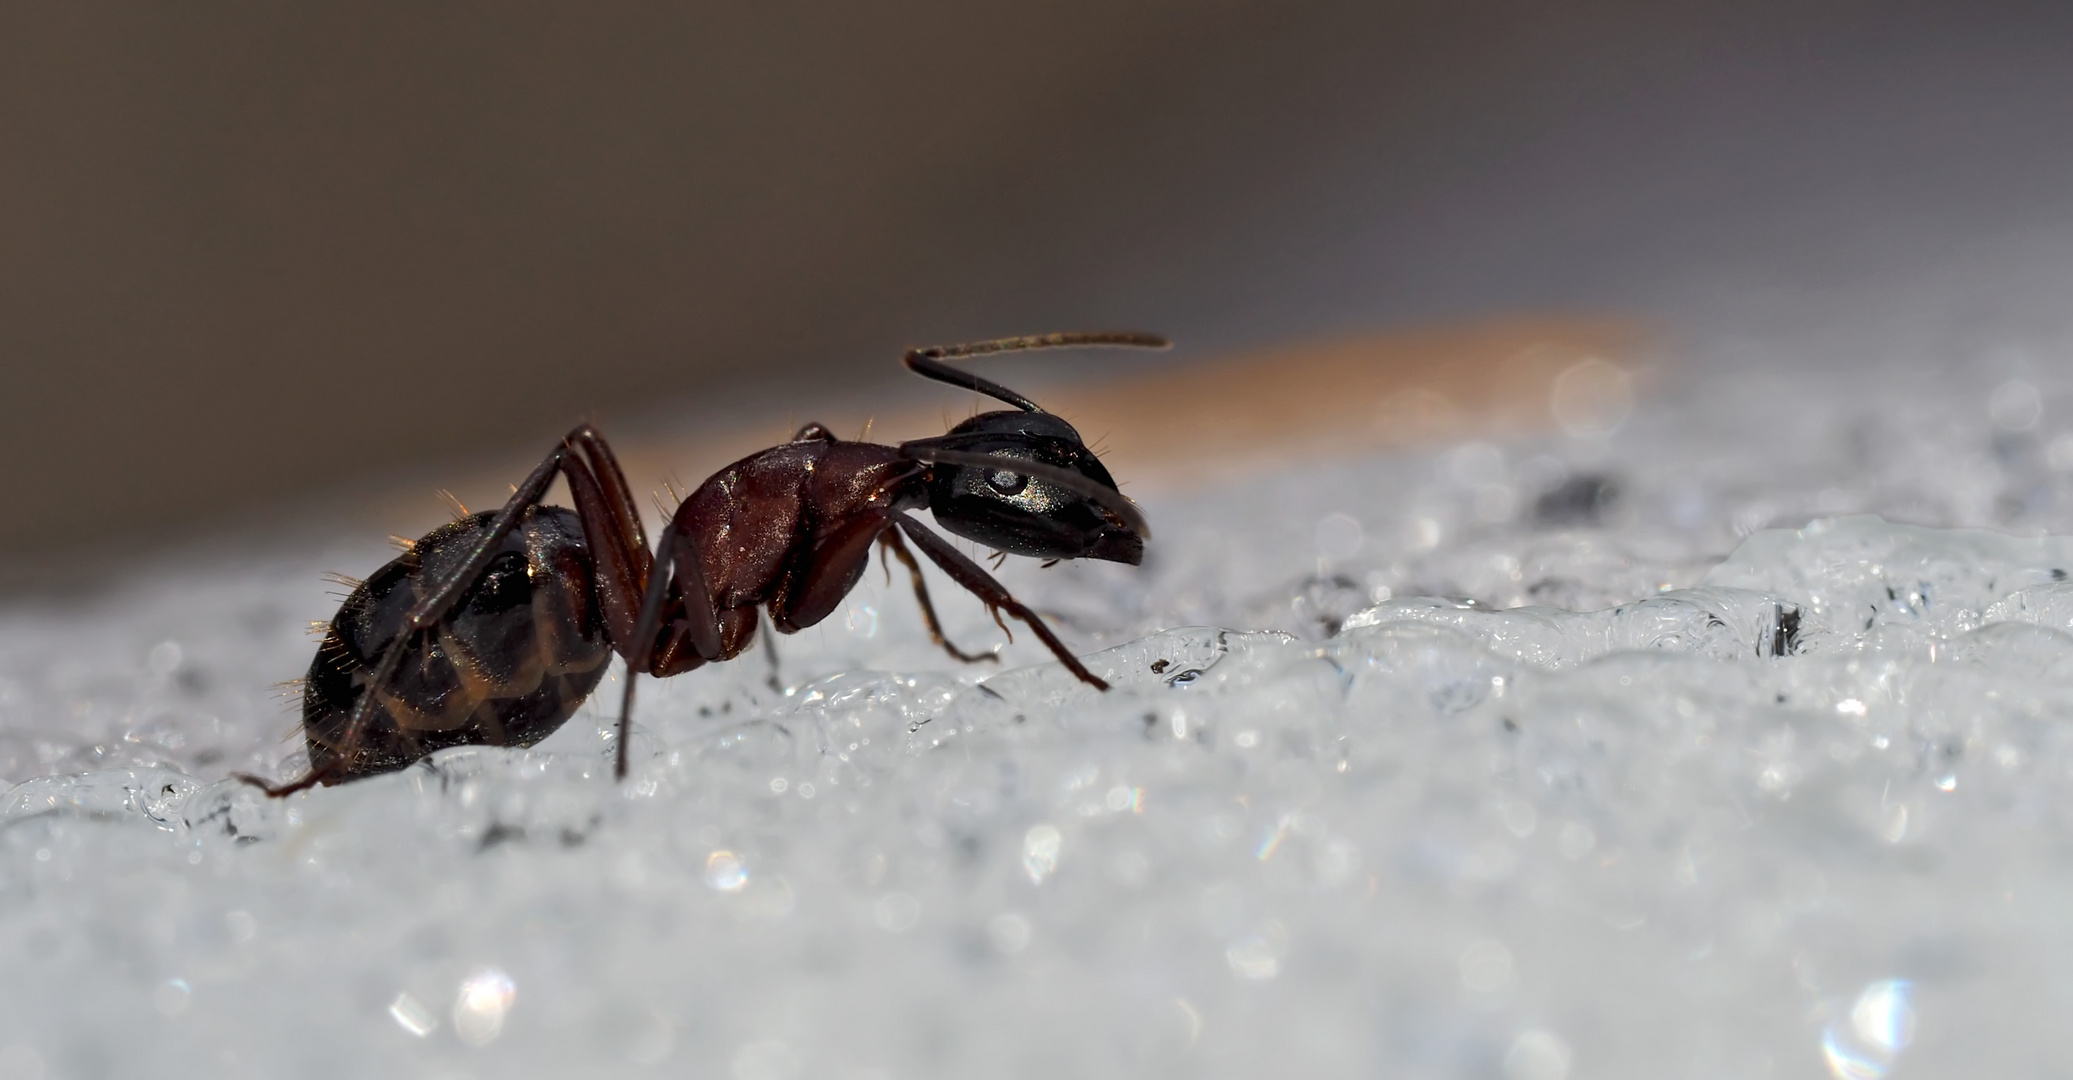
[(1355, 832)]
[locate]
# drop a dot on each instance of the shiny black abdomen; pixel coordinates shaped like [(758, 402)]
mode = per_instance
[(508, 666)]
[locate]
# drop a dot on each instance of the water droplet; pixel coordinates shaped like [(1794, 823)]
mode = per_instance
[(1520, 819), (1592, 399), (1486, 966), (1131, 870), (2015, 406), (1253, 958), (1339, 536), (2059, 453), (1009, 932), (768, 1060), (1576, 840), (896, 913), (164, 658), (171, 997), (652, 1039), (1537, 1055)]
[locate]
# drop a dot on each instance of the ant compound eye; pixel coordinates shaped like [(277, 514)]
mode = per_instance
[(1006, 482)]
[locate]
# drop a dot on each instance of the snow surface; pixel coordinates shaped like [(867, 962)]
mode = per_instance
[(1354, 808)]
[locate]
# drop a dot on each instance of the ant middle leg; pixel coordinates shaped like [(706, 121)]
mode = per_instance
[(889, 541), (676, 574), (771, 678)]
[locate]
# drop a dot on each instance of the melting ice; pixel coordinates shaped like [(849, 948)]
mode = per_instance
[(1480, 763)]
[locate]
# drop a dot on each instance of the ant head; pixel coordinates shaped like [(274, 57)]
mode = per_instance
[(1025, 483)]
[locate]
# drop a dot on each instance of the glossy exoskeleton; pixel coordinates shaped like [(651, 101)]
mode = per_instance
[(493, 629)]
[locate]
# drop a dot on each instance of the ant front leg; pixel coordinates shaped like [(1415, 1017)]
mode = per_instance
[(990, 592), (889, 541)]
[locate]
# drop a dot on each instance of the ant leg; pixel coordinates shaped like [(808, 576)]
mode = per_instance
[(889, 540), (700, 623), (990, 592), (612, 530), (773, 680), (640, 652), (282, 791), (612, 480)]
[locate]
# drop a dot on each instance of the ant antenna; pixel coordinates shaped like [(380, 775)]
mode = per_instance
[(928, 362)]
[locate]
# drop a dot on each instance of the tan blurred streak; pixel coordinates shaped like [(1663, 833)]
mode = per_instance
[(1184, 425), (1245, 414)]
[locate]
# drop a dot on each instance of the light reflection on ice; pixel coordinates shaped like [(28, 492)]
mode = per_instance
[(1040, 848), (412, 1015), (1884, 1016), (1253, 957), (724, 871), (1881, 1024), (479, 1007)]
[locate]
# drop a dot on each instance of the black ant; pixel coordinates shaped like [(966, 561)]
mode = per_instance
[(494, 628)]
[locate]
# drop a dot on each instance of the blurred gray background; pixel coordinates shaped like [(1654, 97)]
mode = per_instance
[(250, 254)]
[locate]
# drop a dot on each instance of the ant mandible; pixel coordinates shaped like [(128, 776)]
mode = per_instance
[(494, 628)]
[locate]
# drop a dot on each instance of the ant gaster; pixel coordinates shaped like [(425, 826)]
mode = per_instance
[(494, 628)]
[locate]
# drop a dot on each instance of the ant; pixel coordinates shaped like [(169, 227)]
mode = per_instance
[(494, 628)]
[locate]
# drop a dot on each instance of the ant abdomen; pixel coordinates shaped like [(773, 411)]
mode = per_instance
[(506, 667)]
